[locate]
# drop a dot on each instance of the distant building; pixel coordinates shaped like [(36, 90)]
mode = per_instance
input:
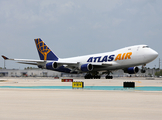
[(49, 73), (28, 73)]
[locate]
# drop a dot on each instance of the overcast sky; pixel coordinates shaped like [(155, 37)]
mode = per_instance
[(78, 27)]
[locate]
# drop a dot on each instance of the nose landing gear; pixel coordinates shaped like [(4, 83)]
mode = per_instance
[(143, 70)]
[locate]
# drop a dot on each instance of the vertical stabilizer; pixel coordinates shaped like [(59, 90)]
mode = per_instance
[(44, 52)]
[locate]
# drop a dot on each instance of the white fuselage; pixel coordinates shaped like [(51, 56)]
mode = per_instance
[(118, 59)]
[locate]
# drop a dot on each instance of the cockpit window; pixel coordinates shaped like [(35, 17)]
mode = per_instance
[(145, 46)]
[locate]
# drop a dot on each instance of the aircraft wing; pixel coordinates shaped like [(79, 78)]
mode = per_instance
[(26, 61), (102, 65), (75, 66), (42, 62), (71, 65)]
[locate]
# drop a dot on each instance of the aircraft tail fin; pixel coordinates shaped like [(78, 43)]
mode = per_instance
[(44, 52)]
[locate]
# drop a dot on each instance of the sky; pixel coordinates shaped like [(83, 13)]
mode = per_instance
[(78, 27)]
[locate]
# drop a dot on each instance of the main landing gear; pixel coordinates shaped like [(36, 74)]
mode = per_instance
[(90, 76), (108, 75), (97, 76)]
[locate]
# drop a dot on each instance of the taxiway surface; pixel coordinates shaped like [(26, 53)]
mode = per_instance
[(41, 104)]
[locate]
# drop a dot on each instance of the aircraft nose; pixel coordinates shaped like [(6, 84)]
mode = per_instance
[(150, 55), (154, 53)]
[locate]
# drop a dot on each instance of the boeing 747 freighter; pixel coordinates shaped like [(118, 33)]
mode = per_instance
[(93, 65)]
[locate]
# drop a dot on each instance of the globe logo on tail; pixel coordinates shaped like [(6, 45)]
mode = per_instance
[(42, 48)]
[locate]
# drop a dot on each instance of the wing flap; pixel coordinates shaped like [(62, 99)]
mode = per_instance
[(28, 63)]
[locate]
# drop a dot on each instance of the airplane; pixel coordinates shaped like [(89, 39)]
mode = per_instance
[(93, 65)]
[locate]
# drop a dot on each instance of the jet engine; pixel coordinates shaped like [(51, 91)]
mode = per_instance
[(52, 65), (131, 70), (86, 67)]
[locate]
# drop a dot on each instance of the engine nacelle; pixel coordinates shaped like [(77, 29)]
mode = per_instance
[(131, 70), (52, 65), (86, 67)]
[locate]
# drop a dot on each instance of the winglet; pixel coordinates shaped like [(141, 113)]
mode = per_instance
[(4, 57)]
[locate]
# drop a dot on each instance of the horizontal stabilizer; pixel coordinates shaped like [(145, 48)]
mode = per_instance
[(4, 57)]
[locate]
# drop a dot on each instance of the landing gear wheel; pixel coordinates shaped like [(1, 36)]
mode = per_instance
[(96, 77), (88, 76), (109, 77)]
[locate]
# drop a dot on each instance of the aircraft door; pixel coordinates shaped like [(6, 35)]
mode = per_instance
[(140, 55)]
